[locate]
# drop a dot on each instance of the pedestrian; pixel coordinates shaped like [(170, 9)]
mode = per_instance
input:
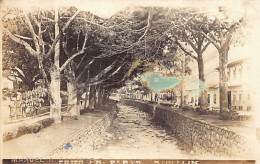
[(156, 97)]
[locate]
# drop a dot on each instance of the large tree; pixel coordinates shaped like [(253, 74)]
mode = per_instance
[(42, 41), (80, 33), (193, 43), (146, 35), (19, 65), (222, 31)]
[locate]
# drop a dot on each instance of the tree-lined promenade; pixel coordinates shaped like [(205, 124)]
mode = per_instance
[(78, 52)]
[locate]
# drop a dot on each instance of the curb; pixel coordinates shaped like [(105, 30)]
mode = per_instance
[(26, 129)]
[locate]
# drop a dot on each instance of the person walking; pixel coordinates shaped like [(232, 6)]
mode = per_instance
[(156, 98)]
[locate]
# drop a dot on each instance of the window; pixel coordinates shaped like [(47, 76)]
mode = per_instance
[(228, 75), (240, 73), (234, 97), (208, 98), (234, 74), (215, 99), (240, 97)]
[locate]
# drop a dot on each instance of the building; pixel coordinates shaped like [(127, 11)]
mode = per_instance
[(239, 91)]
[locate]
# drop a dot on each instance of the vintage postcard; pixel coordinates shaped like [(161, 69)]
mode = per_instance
[(130, 82)]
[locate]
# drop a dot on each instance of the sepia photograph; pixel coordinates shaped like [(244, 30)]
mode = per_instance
[(130, 82)]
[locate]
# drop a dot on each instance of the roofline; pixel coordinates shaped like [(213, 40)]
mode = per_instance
[(235, 63)]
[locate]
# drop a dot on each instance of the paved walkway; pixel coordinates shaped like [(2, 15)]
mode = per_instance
[(42, 143)]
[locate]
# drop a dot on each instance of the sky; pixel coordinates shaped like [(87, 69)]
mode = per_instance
[(107, 8)]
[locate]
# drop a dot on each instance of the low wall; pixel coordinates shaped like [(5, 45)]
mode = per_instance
[(202, 137), (144, 106), (26, 129), (94, 135)]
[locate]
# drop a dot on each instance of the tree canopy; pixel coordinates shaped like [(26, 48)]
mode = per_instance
[(67, 45)]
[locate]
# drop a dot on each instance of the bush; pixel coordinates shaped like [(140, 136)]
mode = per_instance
[(185, 108), (225, 116), (188, 108), (197, 109), (232, 115)]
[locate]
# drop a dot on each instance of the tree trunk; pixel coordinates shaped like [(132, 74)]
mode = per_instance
[(101, 98), (223, 81), (92, 96), (202, 87), (86, 100), (106, 96), (55, 103), (87, 91), (95, 96), (15, 85), (99, 95), (73, 109)]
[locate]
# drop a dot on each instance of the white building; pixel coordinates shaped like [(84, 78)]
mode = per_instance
[(239, 91)]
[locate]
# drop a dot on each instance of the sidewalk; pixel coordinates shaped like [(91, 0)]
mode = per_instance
[(42, 142), (28, 125)]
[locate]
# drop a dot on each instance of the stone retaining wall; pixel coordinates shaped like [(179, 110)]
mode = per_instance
[(93, 135), (202, 137), (144, 106)]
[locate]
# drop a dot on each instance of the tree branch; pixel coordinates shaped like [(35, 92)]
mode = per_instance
[(58, 37), (211, 40), (41, 67), (190, 42), (75, 55), (83, 71), (205, 47), (52, 46), (101, 81), (132, 45), (70, 20), (231, 30), (104, 71), (81, 61), (22, 42), (34, 36), (23, 37), (5, 14), (70, 59), (185, 51), (20, 71), (147, 28)]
